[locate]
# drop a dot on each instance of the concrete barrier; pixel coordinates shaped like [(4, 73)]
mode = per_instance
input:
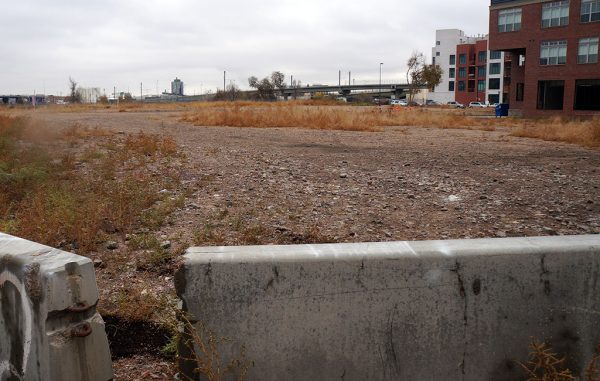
[(49, 327), (438, 310)]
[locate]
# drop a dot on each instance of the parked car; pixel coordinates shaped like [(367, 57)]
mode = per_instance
[(431, 103), (384, 101), (399, 102), (477, 105), (456, 104)]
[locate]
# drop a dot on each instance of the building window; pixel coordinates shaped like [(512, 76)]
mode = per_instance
[(494, 84), (509, 20), (471, 86), (438, 43), (495, 55), (555, 14), (590, 10), (452, 72), (462, 72), (451, 86), (551, 95), (587, 94), (482, 56), (433, 61), (437, 54), (461, 85), (495, 68), (588, 50), (481, 71), (452, 59), (462, 59), (494, 98), (520, 92), (553, 53), (481, 85)]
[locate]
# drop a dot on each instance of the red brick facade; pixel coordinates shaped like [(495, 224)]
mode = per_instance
[(526, 43), (476, 58)]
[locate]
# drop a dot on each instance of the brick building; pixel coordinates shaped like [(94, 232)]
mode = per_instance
[(554, 50), (472, 73)]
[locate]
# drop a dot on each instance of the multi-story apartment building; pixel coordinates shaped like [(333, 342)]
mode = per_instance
[(554, 50), (472, 73), (444, 55)]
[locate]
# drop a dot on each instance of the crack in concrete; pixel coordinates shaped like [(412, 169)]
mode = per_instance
[(543, 275), (463, 294)]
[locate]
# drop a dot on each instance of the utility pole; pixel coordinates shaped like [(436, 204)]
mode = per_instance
[(340, 78), (380, 65), (141, 93), (224, 77), (349, 77)]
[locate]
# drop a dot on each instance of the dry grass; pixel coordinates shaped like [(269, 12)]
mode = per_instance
[(324, 117), (592, 371), (585, 133), (201, 352), (545, 365), (74, 197)]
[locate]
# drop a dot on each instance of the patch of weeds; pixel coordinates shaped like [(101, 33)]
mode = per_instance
[(53, 201), (150, 145), (546, 365), (136, 302), (155, 256), (208, 235), (237, 223), (143, 241), (92, 154), (253, 235), (200, 354), (312, 235)]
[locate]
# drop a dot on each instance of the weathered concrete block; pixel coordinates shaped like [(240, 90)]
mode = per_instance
[(439, 310), (49, 327)]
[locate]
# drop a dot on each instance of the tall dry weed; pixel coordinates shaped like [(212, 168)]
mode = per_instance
[(52, 200), (582, 132), (322, 117)]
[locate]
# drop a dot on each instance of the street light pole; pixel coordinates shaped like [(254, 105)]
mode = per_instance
[(380, 65)]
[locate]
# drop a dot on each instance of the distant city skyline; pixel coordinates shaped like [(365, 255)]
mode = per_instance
[(122, 44)]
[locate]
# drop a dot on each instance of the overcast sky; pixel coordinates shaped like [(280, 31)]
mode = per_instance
[(123, 43)]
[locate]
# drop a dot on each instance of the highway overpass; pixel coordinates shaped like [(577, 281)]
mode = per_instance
[(399, 90)]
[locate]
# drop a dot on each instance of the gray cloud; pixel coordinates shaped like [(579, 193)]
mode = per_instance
[(122, 43)]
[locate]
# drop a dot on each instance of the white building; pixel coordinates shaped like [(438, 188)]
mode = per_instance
[(445, 55), (89, 94), (497, 71)]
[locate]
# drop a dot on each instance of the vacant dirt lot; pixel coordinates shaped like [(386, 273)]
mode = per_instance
[(287, 185), (400, 184)]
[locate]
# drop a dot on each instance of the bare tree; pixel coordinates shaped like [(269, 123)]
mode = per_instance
[(266, 87), (421, 74), (278, 81), (253, 82), (413, 73), (75, 96)]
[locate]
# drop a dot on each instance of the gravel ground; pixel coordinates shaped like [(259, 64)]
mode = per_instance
[(264, 186)]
